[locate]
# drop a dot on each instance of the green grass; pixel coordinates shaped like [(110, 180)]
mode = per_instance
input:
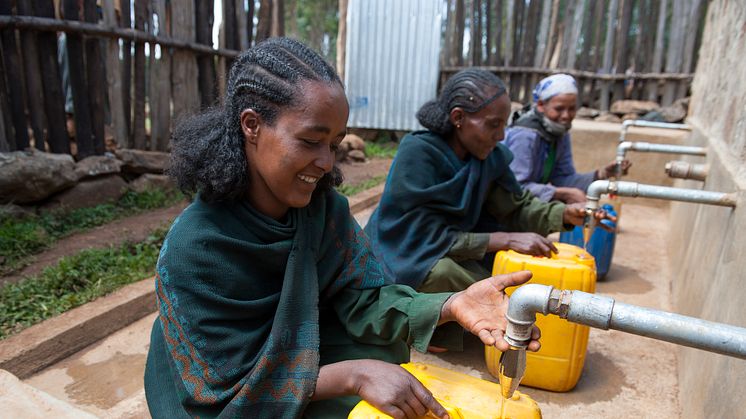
[(349, 190), (22, 238), (381, 149), (76, 280)]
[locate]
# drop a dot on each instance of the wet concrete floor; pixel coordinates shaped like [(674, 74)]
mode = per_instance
[(624, 375)]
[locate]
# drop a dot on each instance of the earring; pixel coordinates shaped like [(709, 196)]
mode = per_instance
[(458, 126)]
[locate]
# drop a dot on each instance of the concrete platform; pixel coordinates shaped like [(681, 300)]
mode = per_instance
[(624, 375)]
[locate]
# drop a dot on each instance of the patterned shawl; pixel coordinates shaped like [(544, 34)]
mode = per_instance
[(238, 294)]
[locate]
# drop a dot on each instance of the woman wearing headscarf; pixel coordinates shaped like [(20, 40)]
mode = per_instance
[(450, 197), (540, 142)]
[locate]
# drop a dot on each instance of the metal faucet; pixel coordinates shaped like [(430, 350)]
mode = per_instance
[(603, 312), (634, 189), (625, 146)]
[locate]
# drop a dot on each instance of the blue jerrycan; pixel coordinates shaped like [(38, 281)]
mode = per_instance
[(601, 244)]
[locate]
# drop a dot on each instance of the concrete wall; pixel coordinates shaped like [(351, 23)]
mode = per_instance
[(707, 246)]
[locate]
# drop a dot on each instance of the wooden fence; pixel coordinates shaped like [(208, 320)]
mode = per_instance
[(113, 81), (617, 49)]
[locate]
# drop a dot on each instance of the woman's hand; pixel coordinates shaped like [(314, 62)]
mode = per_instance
[(575, 214), (526, 243), (569, 195), (610, 169), (481, 309), (393, 390)]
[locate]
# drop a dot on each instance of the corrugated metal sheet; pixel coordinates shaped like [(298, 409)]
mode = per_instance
[(391, 63)]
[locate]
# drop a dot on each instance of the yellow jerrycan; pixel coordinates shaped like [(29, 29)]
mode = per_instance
[(559, 362), (463, 396)]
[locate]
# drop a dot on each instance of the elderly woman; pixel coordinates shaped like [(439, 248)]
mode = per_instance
[(540, 142), (451, 200), (271, 304)]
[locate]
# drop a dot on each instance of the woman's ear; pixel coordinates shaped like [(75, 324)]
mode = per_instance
[(540, 105), (250, 123), (457, 116)]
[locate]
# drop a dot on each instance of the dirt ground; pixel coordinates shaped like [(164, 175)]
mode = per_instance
[(137, 228)]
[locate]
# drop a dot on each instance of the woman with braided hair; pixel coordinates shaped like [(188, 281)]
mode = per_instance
[(451, 200), (270, 301)]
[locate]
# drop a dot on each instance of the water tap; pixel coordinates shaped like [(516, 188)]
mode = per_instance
[(511, 370)]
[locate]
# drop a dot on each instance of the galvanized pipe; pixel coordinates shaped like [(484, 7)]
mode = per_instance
[(634, 189), (685, 170), (644, 147), (649, 124), (603, 312)]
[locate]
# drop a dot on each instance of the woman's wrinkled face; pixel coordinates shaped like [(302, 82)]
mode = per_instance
[(288, 158), (478, 133), (560, 108)]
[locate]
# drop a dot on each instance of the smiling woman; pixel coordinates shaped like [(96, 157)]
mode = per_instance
[(270, 302)]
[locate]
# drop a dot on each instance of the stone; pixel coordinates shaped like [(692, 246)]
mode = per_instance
[(140, 161), (352, 142), (88, 193), (674, 113), (31, 176), (93, 166), (621, 107), (15, 211), (356, 155), (654, 116), (608, 117), (149, 181), (587, 113), (628, 116)]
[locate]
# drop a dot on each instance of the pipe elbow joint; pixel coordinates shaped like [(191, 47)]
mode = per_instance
[(594, 192), (525, 302), (622, 149)]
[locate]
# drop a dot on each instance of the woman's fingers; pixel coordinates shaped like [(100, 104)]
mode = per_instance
[(428, 401)]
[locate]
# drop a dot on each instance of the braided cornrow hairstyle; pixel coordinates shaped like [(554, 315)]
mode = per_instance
[(207, 150), (466, 89)]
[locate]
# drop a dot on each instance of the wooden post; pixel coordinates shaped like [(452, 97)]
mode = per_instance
[(541, 41), (138, 116), (34, 95), (657, 65), (229, 31), (533, 15), (458, 40), (184, 66), (518, 28), (498, 32), (7, 135), (622, 51), (206, 63), (690, 31), (264, 25), (250, 22), (96, 77), (674, 50), (509, 32), (588, 38), (241, 35), (77, 71), (114, 80), (278, 18), (488, 32), (342, 39), (553, 34), (568, 29), (160, 84), (608, 47), (126, 22), (577, 23), (475, 50), (15, 81)]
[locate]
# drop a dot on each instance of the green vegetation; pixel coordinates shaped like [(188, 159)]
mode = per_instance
[(349, 190), (380, 149), (76, 280), (22, 238)]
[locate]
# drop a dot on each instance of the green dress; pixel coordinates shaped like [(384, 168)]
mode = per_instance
[(251, 307)]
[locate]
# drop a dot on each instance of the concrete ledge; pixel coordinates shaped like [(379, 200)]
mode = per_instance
[(52, 340), (366, 198), (20, 400)]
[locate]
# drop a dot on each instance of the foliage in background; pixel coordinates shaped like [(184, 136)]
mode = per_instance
[(76, 280), (21, 238), (314, 22)]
